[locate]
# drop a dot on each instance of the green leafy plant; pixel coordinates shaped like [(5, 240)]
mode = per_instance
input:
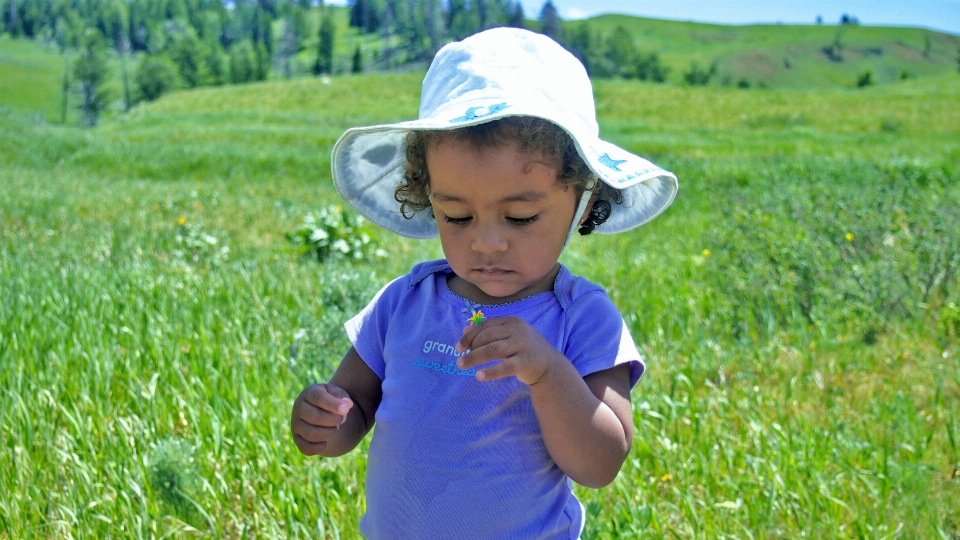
[(172, 476), (197, 246), (332, 232)]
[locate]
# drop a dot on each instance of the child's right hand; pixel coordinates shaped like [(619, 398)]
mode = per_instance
[(317, 415)]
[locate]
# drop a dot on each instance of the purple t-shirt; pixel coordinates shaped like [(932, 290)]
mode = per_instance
[(453, 457)]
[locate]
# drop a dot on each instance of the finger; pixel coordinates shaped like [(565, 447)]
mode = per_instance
[(318, 417), (491, 351), (329, 398), (470, 332), (506, 368), (491, 334), (308, 448), (313, 434)]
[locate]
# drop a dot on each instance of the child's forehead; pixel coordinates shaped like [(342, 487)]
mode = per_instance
[(503, 175), (468, 149), (453, 154)]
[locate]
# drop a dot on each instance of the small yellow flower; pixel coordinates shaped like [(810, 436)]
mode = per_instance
[(849, 237), (666, 477), (476, 317), (706, 253), (336, 208), (182, 220)]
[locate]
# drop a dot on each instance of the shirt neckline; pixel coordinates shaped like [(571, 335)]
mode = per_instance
[(494, 310)]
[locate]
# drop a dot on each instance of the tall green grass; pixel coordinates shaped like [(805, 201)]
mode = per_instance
[(147, 373)]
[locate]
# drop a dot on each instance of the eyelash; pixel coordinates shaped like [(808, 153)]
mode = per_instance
[(515, 221), (524, 221), (456, 221)]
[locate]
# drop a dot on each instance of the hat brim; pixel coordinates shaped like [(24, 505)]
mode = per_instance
[(368, 165)]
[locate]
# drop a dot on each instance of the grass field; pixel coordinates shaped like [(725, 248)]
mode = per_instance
[(798, 306)]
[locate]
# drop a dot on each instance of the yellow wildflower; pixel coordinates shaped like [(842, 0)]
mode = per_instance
[(706, 253), (849, 237), (476, 317), (182, 220), (666, 477)]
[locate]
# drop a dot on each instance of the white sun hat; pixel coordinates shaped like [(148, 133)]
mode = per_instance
[(491, 75)]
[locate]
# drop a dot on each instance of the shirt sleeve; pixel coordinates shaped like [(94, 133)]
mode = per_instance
[(598, 337), (367, 330)]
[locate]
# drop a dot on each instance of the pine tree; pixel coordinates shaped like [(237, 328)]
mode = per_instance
[(516, 18), (213, 61), (432, 11), (243, 62), (365, 15), (188, 55), (12, 24), (90, 71), (464, 18), (649, 68), (324, 63), (622, 52), (357, 60), (289, 45), (124, 50), (386, 22), (579, 43), (550, 24), (155, 76), (262, 64)]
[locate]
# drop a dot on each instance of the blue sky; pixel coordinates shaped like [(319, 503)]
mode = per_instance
[(937, 14)]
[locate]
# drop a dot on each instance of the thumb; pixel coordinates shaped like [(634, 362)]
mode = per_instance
[(343, 398)]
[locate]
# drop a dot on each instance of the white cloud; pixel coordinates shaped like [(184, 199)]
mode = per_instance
[(574, 13)]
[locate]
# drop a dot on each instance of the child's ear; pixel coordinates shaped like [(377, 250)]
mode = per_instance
[(587, 209)]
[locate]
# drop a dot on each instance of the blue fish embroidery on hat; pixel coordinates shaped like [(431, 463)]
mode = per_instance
[(612, 163), (479, 112)]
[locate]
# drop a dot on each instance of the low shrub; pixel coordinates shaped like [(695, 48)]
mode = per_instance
[(332, 232)]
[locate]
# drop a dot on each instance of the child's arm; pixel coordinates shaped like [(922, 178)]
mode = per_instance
[(331, 419), (586, 422)]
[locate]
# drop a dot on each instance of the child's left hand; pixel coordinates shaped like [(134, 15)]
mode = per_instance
[(525, 353)]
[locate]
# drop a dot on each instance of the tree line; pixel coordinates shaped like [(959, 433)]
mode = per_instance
[(192, 43)]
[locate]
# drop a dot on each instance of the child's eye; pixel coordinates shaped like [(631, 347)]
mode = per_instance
[(523, 221), (457, 220)]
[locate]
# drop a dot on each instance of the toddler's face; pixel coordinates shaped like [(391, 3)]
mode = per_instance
[(503, 217)]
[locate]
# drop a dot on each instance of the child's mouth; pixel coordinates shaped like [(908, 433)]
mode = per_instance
[(492, 270)]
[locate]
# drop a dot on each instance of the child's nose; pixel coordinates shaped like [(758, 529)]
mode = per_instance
[(489, 240)]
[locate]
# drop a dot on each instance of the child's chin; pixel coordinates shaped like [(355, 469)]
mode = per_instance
[(500, 291)]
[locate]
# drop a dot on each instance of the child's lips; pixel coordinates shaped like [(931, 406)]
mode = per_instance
[(492, 270)]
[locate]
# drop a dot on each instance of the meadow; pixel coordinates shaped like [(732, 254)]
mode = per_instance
[(797, 305)]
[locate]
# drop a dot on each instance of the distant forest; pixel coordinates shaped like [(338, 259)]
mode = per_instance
[(162, 45), (190, 43)]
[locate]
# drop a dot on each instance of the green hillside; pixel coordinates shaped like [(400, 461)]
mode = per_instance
[(774, 56), (790, 56)]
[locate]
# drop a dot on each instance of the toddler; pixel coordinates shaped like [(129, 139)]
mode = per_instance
[(495, 377)]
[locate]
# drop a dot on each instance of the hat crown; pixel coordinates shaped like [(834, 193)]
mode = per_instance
[(505, 66)]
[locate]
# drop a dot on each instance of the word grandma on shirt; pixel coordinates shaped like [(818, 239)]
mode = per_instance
[(454, 457)]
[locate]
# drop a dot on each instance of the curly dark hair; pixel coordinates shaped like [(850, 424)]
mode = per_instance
[(533, 135)]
